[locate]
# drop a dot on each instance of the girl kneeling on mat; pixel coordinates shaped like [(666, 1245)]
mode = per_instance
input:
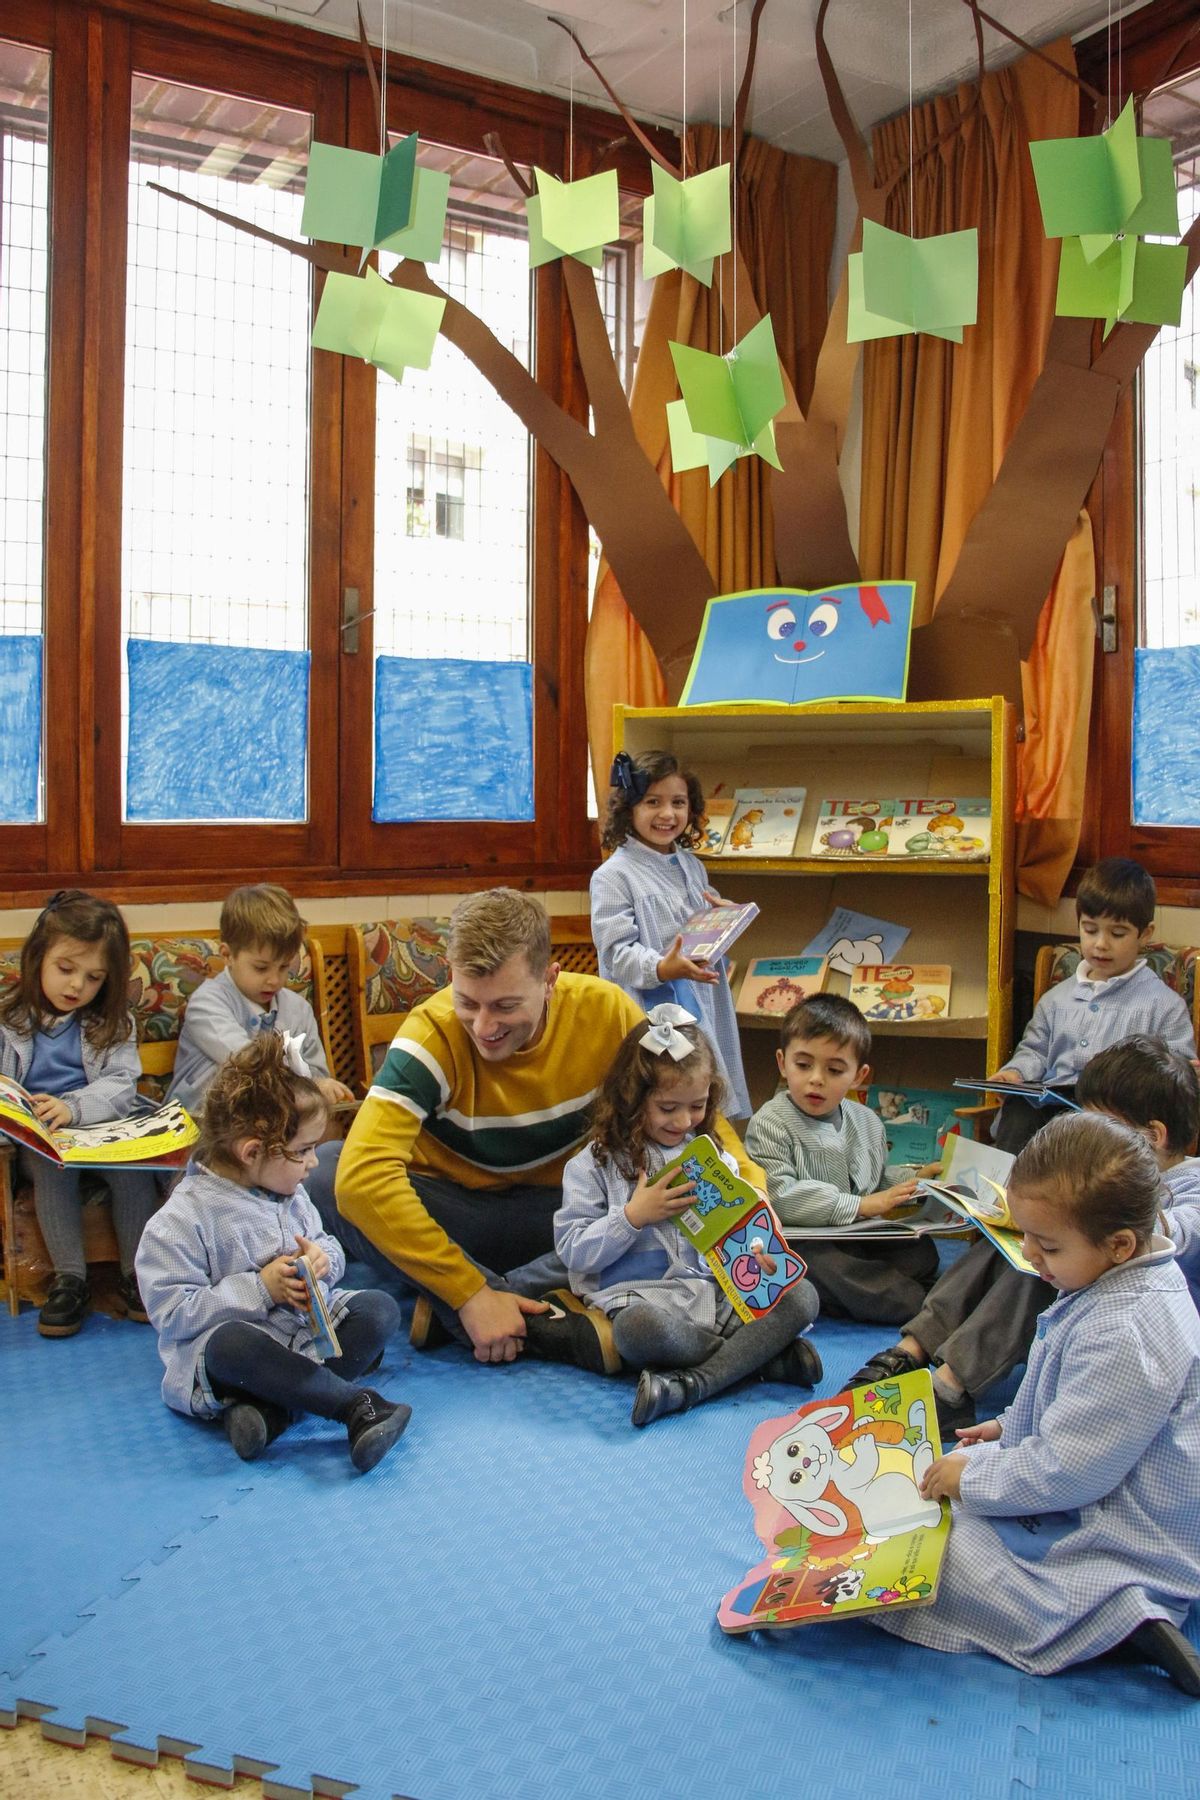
[(217, 1268), (1076, 1524)]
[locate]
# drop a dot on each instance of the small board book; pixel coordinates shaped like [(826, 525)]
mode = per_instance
[(765, 821), (916, 1121), (902, 993), (161, 1137), (974, 1184), (1034, 1092), (714, 826), (773, 984), (835, 1489), (947, 830), (731, 1226), (325, 1337), (708, 934)]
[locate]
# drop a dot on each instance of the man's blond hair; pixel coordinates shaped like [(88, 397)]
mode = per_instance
[(486, 929), (262, 917)]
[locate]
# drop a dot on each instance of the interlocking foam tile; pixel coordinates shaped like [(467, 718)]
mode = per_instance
[(96, 1476)]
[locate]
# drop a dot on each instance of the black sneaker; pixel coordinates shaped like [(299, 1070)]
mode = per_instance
[(572, 1332), (250, 1425), (797, 1365), (663, 1391), (1159, 1642), (66, 1306), (373, 1426), (131, 1299), (882, 1367)]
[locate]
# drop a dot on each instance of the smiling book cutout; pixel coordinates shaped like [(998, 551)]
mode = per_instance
[(779, 644)]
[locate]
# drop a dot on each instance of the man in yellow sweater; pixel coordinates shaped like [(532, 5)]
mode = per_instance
[(453, 1167)]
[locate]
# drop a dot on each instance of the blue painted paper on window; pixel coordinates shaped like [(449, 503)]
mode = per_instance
[(20, 728), (216, 732), (1166, 736), (453, 739)]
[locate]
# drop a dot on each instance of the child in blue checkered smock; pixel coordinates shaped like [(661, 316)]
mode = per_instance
[(645, 893), (1076, 1527)]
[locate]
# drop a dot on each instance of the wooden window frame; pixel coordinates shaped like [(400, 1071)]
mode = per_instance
[(97, 46)]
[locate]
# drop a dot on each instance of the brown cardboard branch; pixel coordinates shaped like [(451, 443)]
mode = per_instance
[(630, 122)]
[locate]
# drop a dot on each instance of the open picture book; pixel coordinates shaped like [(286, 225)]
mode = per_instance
[(160, 1137), (835, 1489), (974, 1184), (733, 1227)]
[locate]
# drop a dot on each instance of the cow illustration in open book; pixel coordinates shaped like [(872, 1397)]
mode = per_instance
[(778, 644), (831, 1472)]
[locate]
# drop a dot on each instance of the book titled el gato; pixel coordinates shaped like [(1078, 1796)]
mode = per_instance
[(161, 1137), (938, 830), (902, 993), (772, 985), (836, 1493), (765, 821), (733, 1227), (708, 934)]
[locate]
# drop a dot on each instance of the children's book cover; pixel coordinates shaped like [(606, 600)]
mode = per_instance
[(849, 642), (941, 830), (735, 1231), (851, 939), (765, 821), (836, 1493), (160, 1137), (714, 826), (902, 993), (708, 934), (772, 985), (852, 828), (325, 1337), (916, 1121), (974, 1184)]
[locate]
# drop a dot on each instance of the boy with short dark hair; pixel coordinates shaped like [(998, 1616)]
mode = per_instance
[(261, 936), (825, 1158), (1144, 1084)]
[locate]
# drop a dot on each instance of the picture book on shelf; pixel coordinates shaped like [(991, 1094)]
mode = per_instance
[(849, 939), (974, 1183), (772, 985), (836, 1493), (916, 1121), (941, 830), (708, 934), (714, 826), (161, 1136), (732, 1227), (902, 993), (765, 821), (1035, 1092), (325, 1337)]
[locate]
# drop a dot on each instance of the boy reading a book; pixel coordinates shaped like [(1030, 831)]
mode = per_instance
[(1113, 995), (261, 935), (825, 1157)]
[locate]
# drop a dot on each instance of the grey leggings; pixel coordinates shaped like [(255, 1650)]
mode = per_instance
[(650, 1336), (57, 1201)]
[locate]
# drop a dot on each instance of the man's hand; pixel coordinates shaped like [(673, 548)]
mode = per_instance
[(495, 1323), (281, 1281), (333, 1092), (943, 1478), (318, 1261), (653, 1202), (52, 1112), (873, 1206), (675, 966)]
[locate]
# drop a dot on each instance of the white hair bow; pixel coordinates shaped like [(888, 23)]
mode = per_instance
[(663, 1037), (293, 1044)]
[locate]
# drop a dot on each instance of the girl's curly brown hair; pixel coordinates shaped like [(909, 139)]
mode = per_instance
[(73, 914), (255, 1095), (618, 1129), (652, 767)]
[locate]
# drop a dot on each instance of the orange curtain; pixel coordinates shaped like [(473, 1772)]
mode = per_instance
[(786, 208), (938, 417)]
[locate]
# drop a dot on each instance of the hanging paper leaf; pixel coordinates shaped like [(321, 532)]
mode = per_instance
[(732, 397), (573, 218), (899, 285), (685, 224), (1098, 186), (385, 325), (692, 450), (1138, 283)]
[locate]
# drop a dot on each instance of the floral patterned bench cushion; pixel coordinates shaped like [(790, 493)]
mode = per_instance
[(1164, 959), (406, 962)]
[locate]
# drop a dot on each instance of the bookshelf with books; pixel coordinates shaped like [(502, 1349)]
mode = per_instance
[(958, 911)]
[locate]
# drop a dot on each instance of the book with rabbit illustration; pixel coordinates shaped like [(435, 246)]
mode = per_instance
[(835, 1488), (158, 1138), (734, 1228)]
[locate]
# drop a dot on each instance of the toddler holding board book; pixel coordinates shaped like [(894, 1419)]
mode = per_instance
[(646, 892), (67, 1036), (615, 1232)]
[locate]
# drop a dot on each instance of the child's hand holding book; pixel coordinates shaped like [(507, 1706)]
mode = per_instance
[(675, 966), (874, 1206), (53, 1113), (654, 1202), (283, 1284)]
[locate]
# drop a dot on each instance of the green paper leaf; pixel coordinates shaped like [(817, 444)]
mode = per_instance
[(1094, 186), (925, 284), (341, 195), (1132, 281), (397, 176), (541, 251), (686, 224), (1159, 281), (720, 457), (689, 449), (732, 397), (346, 318), (579, 215), (422, 240), (385, 325), (654, 263)]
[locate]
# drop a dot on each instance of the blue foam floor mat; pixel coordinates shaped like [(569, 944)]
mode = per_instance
[(519, 1601)]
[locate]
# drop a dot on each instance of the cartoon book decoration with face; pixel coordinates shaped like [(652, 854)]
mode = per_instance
[(735, 1232), (836, 1492), (783, 645)]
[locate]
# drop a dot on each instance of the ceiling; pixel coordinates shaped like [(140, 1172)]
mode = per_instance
[(641, 44)]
